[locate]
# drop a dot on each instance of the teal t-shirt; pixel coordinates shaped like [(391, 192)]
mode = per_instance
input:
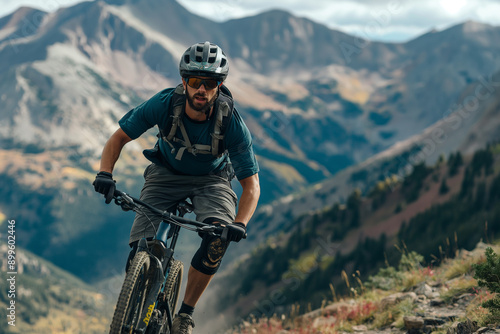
[(237, 138)]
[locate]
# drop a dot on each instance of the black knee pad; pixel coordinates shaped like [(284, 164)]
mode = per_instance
[(209, 256)]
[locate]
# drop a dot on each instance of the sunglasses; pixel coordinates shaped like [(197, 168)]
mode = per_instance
[(197, 82)]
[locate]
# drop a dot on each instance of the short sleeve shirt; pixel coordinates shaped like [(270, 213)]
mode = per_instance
[(237, 139)]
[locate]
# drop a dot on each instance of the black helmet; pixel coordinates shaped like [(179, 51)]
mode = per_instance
[(204, 59)]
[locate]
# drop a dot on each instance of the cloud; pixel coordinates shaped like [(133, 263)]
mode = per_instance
[(387, 20), (397, 20), (8, 6)]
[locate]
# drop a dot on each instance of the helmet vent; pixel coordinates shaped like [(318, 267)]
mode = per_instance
[(204, 60)]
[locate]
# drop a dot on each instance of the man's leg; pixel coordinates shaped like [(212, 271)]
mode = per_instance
[(214, 201), (205, 263), (196, 285), (161, 189)]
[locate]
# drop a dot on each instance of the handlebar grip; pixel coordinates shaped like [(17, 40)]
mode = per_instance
[(224, 234)]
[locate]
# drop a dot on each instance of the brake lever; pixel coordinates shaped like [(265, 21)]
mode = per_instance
[(125, 202)]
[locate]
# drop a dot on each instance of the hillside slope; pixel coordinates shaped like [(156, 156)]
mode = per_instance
[(68, 76), (464, 128), (434, 211), (409, 298), (49, 300)]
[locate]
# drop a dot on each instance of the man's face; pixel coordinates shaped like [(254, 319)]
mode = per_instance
[(200, 99)]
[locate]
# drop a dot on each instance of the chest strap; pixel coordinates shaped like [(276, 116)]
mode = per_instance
[(222, 109)]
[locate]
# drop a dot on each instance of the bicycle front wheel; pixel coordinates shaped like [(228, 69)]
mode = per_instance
[(132, 296), (173, 284), (172, 290)]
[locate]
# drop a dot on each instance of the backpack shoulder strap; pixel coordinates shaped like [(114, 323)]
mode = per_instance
[(224, 114), (177, 106)]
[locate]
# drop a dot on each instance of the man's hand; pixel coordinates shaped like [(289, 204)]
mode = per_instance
[(105, 185), (236, 231)]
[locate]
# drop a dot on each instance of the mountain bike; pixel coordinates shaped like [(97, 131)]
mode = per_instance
[(150, 292)]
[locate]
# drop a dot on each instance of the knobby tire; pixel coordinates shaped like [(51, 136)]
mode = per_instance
[(132, 296), (172, 290)]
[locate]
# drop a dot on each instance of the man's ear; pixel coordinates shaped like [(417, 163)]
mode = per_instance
[(184, 83)]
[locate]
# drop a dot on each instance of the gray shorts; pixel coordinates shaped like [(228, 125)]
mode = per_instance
[(211, 196)]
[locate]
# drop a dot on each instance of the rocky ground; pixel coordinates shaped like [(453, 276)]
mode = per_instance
[(444, 300)]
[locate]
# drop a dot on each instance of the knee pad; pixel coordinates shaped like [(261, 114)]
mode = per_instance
[(209, 256)]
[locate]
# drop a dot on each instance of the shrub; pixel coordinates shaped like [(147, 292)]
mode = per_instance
[(488, 276)]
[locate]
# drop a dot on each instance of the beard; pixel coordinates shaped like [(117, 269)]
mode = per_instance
[(200, 107)]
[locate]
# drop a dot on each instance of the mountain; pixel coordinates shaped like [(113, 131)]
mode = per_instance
[(466, 128), (434, 211), (316, 100), (362, 96), (23, 22), (48, 299)]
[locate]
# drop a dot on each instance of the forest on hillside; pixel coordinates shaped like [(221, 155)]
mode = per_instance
[(308, 263)]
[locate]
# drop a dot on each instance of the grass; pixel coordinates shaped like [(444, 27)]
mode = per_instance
[(478, 313), (365, 306)]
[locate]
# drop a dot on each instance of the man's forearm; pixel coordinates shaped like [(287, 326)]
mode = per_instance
[(249, 199), (112, 150)]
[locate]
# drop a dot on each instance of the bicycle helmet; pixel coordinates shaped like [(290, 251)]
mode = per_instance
[(204, 59)]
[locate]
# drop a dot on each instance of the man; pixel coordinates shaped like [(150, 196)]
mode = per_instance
[(199, 129)]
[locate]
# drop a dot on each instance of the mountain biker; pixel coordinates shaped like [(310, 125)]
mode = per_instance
[(185, 163)]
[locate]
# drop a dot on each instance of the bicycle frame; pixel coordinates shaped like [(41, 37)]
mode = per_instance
[(159, 267), (161, 251)]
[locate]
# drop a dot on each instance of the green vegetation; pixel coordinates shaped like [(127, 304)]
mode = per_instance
[(309, 262), (488, 276), (414, 182), (454, 162), (463, 216), (367, 308), (443, 189)]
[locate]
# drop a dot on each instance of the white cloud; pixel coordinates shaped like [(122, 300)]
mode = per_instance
[(390, 20), (8, 6)]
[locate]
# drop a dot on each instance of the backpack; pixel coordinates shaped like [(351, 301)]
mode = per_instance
[(223, 111)]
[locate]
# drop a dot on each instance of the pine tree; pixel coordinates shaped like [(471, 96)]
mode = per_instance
[(443, 189)]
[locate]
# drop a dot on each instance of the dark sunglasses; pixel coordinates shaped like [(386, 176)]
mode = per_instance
[(197, 82)]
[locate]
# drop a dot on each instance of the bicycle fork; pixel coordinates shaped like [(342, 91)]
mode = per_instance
[(158, 268)]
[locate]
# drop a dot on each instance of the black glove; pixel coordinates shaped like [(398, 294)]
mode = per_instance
[(105, 185), (236, 231)]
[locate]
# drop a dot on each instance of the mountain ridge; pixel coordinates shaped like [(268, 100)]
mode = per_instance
[(456, 195), (86, 65)]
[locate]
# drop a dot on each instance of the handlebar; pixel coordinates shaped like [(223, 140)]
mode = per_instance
[(128, 202)]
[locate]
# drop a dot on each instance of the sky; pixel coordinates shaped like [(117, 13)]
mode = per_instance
[(382, 20)]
